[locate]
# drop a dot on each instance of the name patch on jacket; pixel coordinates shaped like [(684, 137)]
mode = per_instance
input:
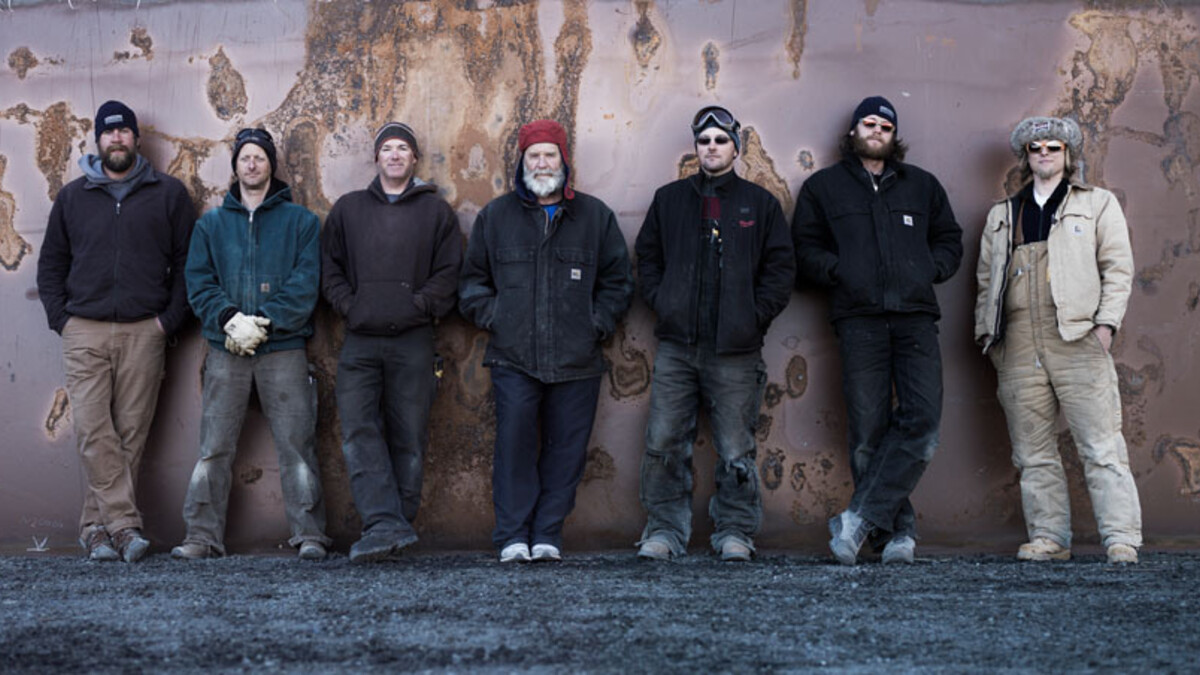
[(747, 218)]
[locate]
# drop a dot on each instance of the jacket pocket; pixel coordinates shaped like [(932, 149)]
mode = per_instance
[(516, 267), (383, 308)]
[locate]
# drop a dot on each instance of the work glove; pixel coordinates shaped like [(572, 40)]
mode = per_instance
[(246, 332)]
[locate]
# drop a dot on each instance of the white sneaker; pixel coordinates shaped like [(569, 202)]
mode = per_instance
[(900, 549), (518, 552), (546, 553)]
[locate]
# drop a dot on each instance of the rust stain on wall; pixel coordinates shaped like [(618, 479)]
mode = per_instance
[(60, 413), (1193, 296), (630, 375), (301, 162), (762, 427), (795, 40), (226, 88), (56, 129), (21, 61), (772, 468), (797, 376), (1134, 386), (644, 37), (712, 65), (1148, 278), (190, 154), (1102, 76), (600, 466), (140, 38), (13, 247), (1187, 452), (772, 395), (758, 167)]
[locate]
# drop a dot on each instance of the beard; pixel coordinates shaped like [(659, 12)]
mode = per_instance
[(544, 185), (1044, 173), (862, 149), (118, 163)]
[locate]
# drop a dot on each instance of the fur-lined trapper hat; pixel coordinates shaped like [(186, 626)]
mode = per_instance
[(1047, 128)]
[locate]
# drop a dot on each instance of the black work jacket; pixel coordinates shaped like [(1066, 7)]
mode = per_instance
[(549, 290), (756, 259), (880, 251)]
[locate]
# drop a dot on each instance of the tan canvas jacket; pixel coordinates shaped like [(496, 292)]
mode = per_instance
[(1090, 261)]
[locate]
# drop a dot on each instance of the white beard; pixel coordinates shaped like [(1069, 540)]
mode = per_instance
[(544, 186)]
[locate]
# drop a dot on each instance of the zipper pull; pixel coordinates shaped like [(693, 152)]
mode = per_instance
[(118, 208)]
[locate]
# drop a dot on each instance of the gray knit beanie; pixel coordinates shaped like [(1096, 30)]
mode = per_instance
[(1046, 128)]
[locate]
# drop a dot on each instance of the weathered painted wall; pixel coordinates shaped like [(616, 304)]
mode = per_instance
[(624, 78)]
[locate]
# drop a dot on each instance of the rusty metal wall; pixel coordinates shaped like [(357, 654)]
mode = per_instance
[(624, 77)]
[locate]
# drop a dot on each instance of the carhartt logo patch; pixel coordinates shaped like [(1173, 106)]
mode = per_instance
[(576, 274), (264, 287), (908, 220)]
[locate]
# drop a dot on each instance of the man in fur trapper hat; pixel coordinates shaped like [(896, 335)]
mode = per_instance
[(1055, 271), (547, 275)]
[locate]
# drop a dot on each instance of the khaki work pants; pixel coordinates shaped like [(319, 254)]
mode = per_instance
[(113, 373), (1040, 373)]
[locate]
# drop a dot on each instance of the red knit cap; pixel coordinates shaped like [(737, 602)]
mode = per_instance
[(547, 131)]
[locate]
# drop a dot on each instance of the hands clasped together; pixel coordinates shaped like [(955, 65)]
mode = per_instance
[(243, 334)]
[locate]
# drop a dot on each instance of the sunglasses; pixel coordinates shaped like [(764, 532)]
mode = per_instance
[(719, 140), (1052, 147), (884, 126)]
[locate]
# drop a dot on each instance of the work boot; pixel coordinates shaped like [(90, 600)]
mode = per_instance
[(546, 553), (515, 552), (1042, 549), (193, 551), (98, 544), (900, 549), (654, 549), (1122, 554), (849, 531), (312, 550), (735, 551), (373, 547), (131, 544)]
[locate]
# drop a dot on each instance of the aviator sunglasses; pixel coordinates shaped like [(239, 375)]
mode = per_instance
[(884, 126), (1050, 147)]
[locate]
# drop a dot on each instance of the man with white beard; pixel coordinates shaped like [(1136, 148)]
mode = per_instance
[(547, 274)]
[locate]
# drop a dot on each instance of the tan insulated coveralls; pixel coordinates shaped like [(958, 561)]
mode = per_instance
[(1049, 359)]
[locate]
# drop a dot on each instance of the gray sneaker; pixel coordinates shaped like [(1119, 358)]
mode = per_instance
[(378, 547), (849, 531), (193, 551), (654, 549), (546, 553), (735, 551), (98, 544), (312, 550), (901, 549), (131, 544)]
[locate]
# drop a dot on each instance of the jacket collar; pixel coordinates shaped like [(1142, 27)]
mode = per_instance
[(415, 186), (278, 193)]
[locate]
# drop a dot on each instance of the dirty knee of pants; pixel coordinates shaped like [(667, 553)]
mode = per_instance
[(666, 477)]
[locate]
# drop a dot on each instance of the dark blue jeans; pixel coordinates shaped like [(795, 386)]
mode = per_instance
[(891, 442), (532, 491), (385, 389), (730, 388)]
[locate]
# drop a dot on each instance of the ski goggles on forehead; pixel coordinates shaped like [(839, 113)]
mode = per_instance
[(1051, 147), (254, 135), (714, 116)]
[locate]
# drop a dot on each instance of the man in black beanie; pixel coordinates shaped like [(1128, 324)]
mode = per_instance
[(879, 234), (390, 255), (253, 273), (115, 300)]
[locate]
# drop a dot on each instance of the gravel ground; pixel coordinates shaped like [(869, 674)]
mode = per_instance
[(602, 612)]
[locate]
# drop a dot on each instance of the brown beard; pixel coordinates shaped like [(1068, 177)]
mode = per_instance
[(865, 151), (115, 164)]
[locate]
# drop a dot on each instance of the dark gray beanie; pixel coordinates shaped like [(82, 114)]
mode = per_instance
[(114, 115), (875, 105)]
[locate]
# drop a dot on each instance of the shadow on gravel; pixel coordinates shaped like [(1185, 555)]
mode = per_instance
[(597, 612)]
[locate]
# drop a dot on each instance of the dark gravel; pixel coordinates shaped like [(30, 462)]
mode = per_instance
[(600, 613)]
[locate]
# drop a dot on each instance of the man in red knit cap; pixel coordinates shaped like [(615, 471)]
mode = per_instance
[(547, 274)]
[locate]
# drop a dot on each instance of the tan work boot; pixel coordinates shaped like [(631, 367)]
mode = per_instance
[(1122, 554), (1042, 549)]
